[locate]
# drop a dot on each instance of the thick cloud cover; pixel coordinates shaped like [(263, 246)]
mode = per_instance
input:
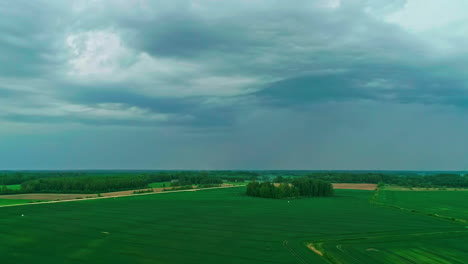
[(329, 84)]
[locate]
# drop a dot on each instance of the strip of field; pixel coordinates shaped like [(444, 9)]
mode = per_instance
[(355, 186), (66, 197), (9, 202), (446, 204), (220, 225), (70, 196), (428, 248), (46, 196), (401, 188)]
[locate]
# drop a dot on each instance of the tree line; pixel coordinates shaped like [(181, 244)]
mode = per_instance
[(100, 181), (299, 187), (91, 182), (85, 184), (406, 180), (198, 177)]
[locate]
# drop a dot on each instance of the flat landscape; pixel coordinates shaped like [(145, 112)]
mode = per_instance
[(449, 204), (226, 226), (227, 131)]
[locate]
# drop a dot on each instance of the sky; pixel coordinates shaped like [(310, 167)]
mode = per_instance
[(234, 84)]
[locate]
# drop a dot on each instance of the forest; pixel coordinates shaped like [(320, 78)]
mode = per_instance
[(86, 184), (92, 182), (299, 187)]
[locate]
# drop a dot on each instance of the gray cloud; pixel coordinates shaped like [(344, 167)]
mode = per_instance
[(30, 38), (377, 82), (293, 54), (192, 111), (232, 75)]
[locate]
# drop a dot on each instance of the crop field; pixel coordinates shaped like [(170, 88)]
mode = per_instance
[(442, 203), (436, 247), (225, 226), (4, 202)]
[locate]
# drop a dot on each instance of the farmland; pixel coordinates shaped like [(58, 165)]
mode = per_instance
[(438, 203), (223, 226), (4, 202)]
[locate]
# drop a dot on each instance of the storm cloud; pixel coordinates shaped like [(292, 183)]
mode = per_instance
[(233, 84)]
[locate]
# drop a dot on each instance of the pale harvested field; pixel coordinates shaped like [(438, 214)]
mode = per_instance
[(130, 192), (355, 186), (350, 186), (401, 188)]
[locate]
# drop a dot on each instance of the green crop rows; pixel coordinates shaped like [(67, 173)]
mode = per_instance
[(443, 203), (218, 226)]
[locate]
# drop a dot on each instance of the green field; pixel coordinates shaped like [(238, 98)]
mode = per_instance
[(13, 201), (14, 187), (443, 203), (445, 248), (220, 226), (159, 184)]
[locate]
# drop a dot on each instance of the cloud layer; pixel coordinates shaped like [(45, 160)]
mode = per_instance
[(226, 69)]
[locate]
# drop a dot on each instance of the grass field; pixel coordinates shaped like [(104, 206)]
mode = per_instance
[(215, 226), (14, 187)]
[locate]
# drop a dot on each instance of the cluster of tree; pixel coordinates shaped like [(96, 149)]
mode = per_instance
[(15, 178), (5, 190), (304, 187), (85, 184)]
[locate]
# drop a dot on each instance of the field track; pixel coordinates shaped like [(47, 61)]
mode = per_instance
[(294, 253)]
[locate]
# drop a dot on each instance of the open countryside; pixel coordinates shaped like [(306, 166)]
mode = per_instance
[(227, 131), (218, 222)]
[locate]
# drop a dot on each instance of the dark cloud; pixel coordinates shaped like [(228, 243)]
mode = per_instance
[(176, 35), (380, 82), (192, 111), (217, 84)]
